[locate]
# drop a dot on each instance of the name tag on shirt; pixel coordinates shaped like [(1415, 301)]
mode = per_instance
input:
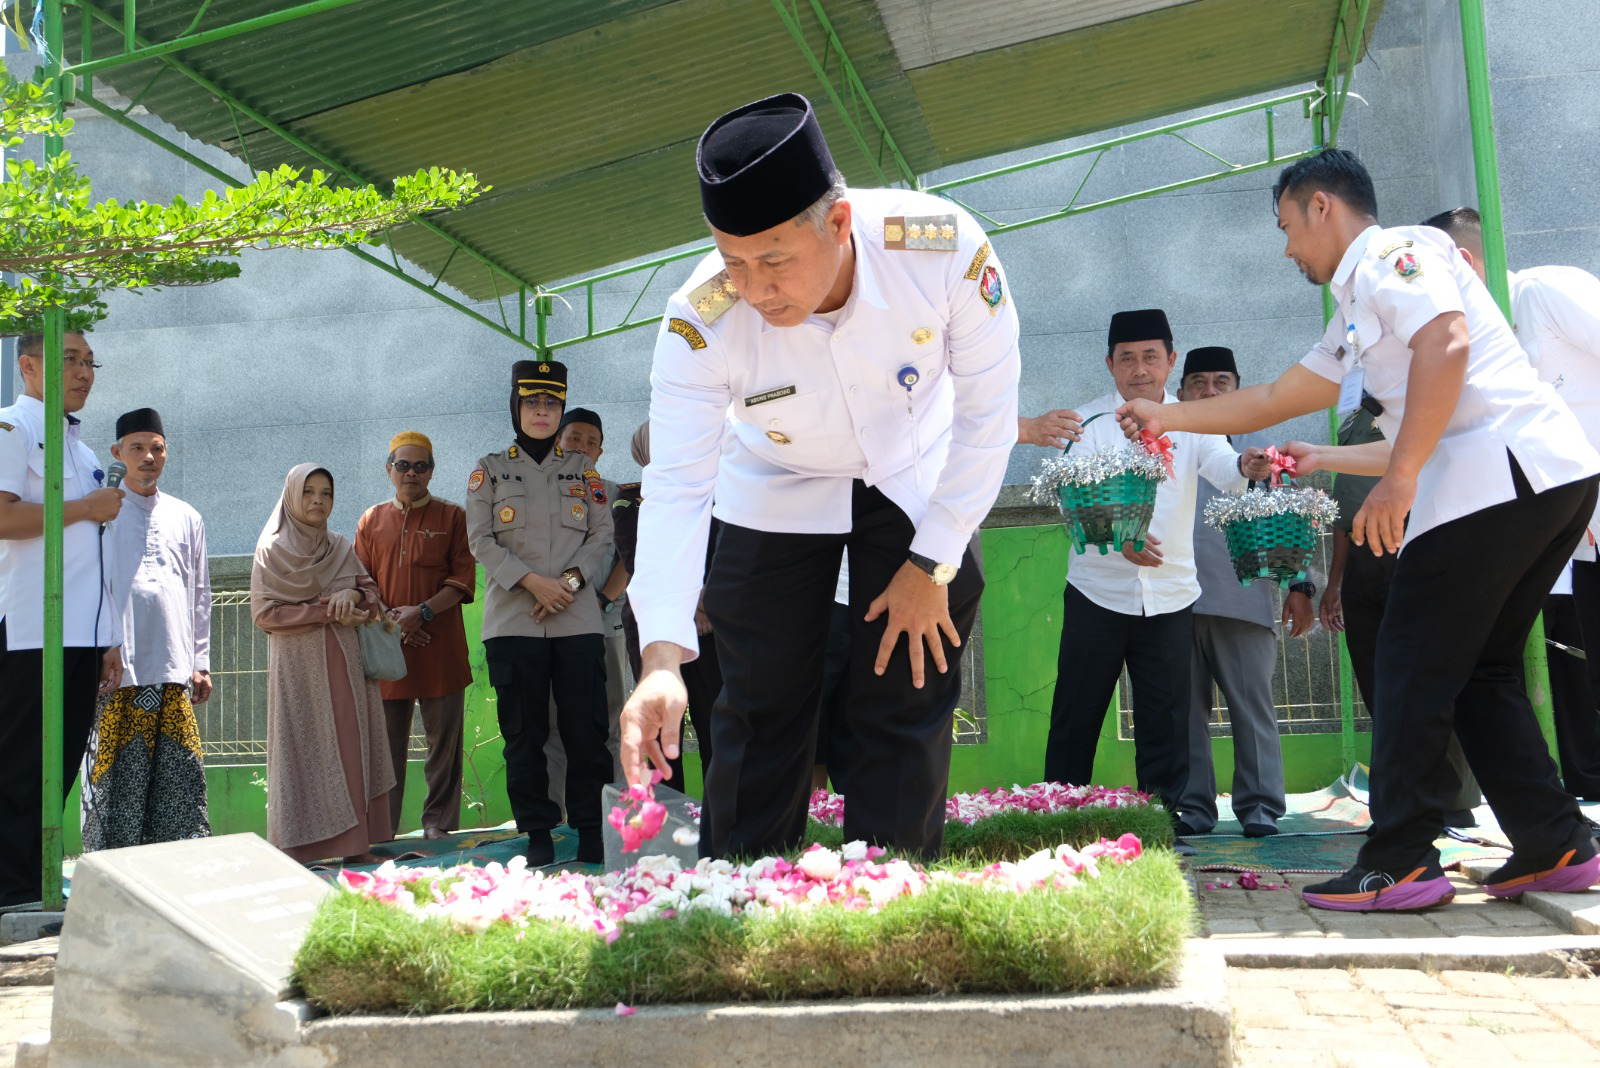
[(1350, 390), (769, 395)]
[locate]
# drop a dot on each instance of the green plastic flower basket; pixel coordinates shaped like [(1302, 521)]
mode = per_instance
[(1276, 547), (1108, 513)]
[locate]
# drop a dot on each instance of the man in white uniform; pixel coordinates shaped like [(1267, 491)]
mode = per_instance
[(1135, 608), (92, 656), (145, 776), (1483, 457), (1556, 316), (865, 346)]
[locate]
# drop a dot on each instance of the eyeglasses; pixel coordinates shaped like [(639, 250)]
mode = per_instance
[(77, 361), (421, 467)]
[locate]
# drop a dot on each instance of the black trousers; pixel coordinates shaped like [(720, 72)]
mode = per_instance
[(21, 743), (1450, 654), (770, 597), (833, 730), (1363, 594), (1577, 719), (524, 672), (1095, 643)]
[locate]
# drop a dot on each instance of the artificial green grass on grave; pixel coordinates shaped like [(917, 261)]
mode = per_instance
[(1126, 928), (1015, 835)]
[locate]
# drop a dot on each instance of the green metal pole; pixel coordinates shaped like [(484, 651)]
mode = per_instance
[(544, 306), (1486, 164), (51, 806)]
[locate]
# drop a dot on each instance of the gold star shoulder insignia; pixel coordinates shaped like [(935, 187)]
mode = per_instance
[(921, 233), (713, 297)]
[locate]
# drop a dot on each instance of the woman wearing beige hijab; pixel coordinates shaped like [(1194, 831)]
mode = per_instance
[(328, 769)]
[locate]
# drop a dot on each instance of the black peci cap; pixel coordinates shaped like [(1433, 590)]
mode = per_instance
[(1138, 326), (586, 416), (763, 164), (1209, 358), (139, 421)]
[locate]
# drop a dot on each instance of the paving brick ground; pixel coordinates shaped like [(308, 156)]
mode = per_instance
[(1400, 1018), (25, 975), (1229, 912)]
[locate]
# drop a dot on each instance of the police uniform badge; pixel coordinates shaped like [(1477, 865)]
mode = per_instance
[(1407, 267), (577, 490), (597, 488), (512, 453), (579, 512), (711, 298), (475, 480), (7, 426), (979, 258), (920, 233), (507, 513)]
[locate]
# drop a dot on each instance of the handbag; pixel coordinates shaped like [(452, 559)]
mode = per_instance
[(381, 655)]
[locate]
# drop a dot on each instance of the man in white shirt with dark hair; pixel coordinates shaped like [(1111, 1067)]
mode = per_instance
[(1135, 608), (1482, 457)]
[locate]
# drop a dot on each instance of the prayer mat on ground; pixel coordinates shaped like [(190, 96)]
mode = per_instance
[(479, 845), (1322, 832)]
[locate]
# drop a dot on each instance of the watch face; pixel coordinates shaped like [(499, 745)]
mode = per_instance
[(943, 574), (572, 580)]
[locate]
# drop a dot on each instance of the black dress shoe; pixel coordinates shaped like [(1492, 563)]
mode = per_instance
[(541, 850), (1184, 829), (591, 847), (1260, 830)]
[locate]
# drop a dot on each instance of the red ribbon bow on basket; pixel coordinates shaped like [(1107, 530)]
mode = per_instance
[(1282, 464), (1160, 448)]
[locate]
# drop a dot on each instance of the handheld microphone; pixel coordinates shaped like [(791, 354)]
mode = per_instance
[(115, 474)]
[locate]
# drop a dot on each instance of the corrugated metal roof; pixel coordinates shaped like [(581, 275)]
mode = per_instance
[(583, 117)]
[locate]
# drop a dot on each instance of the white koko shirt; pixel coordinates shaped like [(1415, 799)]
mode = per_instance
[(156, 556), (1112, 581), (1556, 316), (776, 422), (1390, 284), (85, 596)]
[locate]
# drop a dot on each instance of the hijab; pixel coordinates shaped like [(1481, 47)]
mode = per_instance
[(297, 561), (640, 446)]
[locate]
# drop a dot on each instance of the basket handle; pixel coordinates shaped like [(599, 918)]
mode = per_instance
[(1085, 423)]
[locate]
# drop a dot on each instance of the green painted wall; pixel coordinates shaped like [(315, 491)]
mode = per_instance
[(1024, 568)]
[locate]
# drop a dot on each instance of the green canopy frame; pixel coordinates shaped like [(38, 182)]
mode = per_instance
[(806, 21)]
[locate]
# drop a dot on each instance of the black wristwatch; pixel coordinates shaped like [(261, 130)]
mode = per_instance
[(942, 574), (1307, 587), (427, 613)]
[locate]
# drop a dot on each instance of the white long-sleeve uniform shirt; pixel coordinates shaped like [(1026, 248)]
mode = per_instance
[(1556, 316), (1112, 581), (1390, 284), (87, 603), (776, 422)]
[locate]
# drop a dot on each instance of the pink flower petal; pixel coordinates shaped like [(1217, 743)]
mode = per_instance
[(625, 1010)]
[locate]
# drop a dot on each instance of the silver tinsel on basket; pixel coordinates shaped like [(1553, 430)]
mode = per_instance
[(1314, 504), (1086, 469)]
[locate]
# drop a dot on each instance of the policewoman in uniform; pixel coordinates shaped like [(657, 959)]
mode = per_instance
[(1485, 458), (539, 525), (841, 371)]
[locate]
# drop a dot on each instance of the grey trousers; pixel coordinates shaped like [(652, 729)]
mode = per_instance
[(441, 724), (1241, 657), (618, 685)]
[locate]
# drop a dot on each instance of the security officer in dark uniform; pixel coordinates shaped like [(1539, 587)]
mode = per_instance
[(539, 525)]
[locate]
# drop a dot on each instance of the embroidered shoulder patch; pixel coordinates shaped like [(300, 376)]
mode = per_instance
[(1407, 267), (711, 298), (475, 480), (597, 488), (507, 513), (991, 290), (978, 260), (7, 426), (1392, 249), (683, 329), (920, 233)]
